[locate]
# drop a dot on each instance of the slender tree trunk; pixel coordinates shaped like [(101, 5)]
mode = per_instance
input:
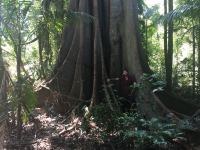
[(19, 92), (169, 66), (44, 42), (19, 89), (165, 38), (19, 78), (3, 76), (194, 64), (146, 33), (45, 51), (198, 44), (1, 53), (3, 92), (47, 48), (60, 17), (40, 48)]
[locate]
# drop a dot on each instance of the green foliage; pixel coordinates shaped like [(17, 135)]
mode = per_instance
[(155, 81), (185, 17), (185, 9), (29, 96), (151, 37), (186, 22), (104, 117), (144, 133), (25, 117), (28, 99), (134, 130)]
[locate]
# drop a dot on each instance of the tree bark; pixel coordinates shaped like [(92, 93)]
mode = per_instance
[(194, 64), (40, 49), (59, 14), (169, 65), (44, 46), (18, 49), (93, 51), (2, 69), (165, 36), (198, 63)]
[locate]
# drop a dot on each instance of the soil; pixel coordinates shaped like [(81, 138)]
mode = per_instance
[(54, 132), (50, 131)]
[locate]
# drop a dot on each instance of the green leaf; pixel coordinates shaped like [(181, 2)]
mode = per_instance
[(167, 133), (29, 97)]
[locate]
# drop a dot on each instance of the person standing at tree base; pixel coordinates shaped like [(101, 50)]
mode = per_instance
[(126, 92)]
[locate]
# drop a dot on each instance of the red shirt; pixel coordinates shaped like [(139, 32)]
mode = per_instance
[(125, 82)]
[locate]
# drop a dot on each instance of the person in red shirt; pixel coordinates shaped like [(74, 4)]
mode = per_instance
[(125, 91)]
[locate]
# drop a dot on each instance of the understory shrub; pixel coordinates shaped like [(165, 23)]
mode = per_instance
[(105, 118), (147, 133), (133, 130)]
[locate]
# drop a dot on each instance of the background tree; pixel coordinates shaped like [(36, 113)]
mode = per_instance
[(1, 53), (16, 15), (169, 64), (186, 13), (165, 34)]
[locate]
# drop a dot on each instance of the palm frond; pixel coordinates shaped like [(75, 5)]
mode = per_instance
[(190, 10)]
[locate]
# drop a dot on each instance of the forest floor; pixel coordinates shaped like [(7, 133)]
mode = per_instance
[(50, 131), (54, 132)]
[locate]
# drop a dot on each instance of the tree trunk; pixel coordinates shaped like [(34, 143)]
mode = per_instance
[(1, 53), (59, 14), (40, 48), (18, 49), (194, 64), (165, 37), (93, 51), (198, 44), (45, 52), (3, 92), (169, 65)]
